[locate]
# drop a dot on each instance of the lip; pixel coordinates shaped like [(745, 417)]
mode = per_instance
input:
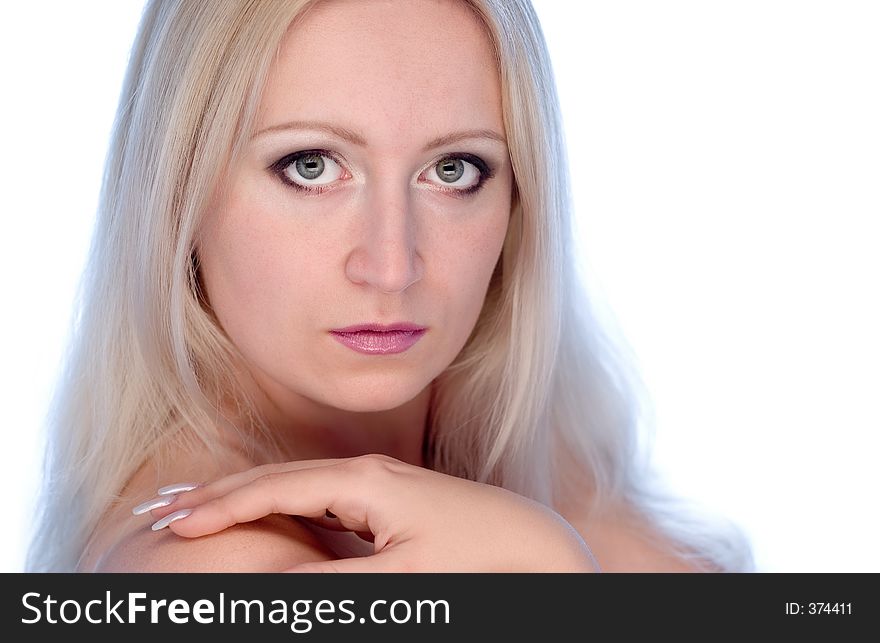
[(376, 339), (378, 327)]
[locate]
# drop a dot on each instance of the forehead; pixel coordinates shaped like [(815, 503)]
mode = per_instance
[(393, 70)]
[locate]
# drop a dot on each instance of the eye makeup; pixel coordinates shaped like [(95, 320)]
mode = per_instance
[(485, 173), (281, 169)]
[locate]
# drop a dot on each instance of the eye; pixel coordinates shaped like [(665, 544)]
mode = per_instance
[(463, 173), (309, 170)]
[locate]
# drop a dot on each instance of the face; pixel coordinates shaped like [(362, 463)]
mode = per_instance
[(376, 189)]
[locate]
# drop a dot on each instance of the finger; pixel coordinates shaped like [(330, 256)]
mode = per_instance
[(328, 521), (171, 503), (308, 492), (334, 524)]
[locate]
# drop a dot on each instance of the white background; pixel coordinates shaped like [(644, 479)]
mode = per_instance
[(726, 172)]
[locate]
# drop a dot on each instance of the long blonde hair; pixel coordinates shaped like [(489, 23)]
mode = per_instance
[(538, 383)]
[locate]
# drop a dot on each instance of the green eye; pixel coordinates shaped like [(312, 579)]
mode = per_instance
[(310, 167), (308, 171), (450, 170), (460, 174)]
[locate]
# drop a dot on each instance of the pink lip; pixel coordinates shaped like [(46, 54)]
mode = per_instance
[(378, 327), (400, 338)]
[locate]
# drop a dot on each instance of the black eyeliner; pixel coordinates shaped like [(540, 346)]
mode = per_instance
[(286, 161), (278, 168), (486, 173)]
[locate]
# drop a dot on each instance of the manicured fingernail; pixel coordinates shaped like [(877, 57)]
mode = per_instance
[(180, 487), (155, 503), (167, 520)]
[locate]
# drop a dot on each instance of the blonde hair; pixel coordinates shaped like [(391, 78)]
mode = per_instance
[(538, 384)]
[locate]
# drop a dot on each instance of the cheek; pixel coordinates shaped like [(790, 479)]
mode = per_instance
[(257, 275), (468, 261)]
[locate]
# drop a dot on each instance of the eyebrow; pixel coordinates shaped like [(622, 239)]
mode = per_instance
[(356, 139)]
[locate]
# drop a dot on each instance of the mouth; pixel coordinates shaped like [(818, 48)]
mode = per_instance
[(378, 339)]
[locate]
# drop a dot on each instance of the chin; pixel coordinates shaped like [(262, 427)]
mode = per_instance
[(378, 394)]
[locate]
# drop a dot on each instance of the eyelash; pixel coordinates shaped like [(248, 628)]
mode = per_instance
[(283, 163)]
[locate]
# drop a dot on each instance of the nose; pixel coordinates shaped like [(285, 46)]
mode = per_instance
[(385, 255)]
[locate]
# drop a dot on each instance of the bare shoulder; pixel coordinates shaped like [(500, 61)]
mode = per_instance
[(267, 545), (125, 543), (622, 543)]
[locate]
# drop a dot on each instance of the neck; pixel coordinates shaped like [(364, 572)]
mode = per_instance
[(306, 429)]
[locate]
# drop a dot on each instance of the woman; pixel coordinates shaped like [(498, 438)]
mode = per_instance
[(285, 172)]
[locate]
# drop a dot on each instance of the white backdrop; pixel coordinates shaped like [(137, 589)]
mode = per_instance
[(726, 173)]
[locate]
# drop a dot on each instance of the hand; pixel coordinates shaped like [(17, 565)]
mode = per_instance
[(418, 519)]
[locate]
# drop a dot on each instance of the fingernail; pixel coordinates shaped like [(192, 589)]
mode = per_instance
[(155, 503), (180, 487), (167, 520)]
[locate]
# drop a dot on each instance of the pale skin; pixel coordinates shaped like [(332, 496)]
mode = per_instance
[(387, 240)]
